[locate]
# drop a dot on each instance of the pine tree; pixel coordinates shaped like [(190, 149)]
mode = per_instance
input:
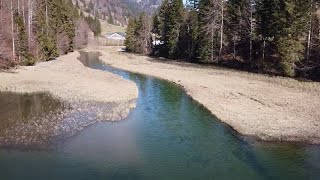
[(131, 36), (45, 35), (142, 33), (311, 64), (110, 18), (209, 26), (22, 42), (170, 20), (94, 24), (268, 25), (188, 36), (240, 27), (97, 26), (293, 20), (55, 24), (162, 28), (156, 28)]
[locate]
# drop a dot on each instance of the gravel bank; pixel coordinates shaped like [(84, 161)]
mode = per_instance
[(268, 108), (89, 94), (67, 79)]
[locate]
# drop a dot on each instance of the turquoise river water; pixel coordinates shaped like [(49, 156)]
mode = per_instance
[(167, 136)]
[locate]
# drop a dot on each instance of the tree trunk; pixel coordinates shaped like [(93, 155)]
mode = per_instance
[(309, 43), (23, 13), (234, 48), (263, 49), (47, 25), (221, 29), (12, 31), (30, 18), (251, 30), (212, 40), (309, 36)]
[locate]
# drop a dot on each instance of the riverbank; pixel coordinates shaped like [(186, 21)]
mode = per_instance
[(68, 79), (86, 96), (269, 108)]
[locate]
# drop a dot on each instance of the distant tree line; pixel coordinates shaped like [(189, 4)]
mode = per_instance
[(138, 35), (94, 24), (272, 36), (33, 30)]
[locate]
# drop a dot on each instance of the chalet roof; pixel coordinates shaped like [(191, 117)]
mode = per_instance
[(119, 33)]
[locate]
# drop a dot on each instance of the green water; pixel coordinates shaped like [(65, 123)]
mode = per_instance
[(167, 136)]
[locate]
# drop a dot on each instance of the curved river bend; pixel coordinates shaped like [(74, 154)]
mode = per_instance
[(167, 136)]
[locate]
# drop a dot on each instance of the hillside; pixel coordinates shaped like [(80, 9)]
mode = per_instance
[(148, 6), (117, 12)]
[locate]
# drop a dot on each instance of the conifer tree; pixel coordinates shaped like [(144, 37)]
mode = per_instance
[(22, 49), (97, 26), (55, 22), (110, 19), (142, 32), (209, 20), (240, 27), (45, 35), (311, 64), (188, 36), (156, 28), (293, 20), (131, 36), (171, 27), (268, 25)]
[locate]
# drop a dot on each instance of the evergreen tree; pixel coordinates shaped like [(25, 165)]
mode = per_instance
[(162, 28), (22, 49), (293, 20), (172, 27), (311, 65), (268, 25), (156, 28), (207, 27), (239, 27), (188, 36), (55, 28), (110, 18), (142, 33), (45, 35), (94, 24), (170, 20), (97, 26), (131, 35)]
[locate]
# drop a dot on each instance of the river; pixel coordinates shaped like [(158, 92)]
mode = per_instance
[(167, 136)]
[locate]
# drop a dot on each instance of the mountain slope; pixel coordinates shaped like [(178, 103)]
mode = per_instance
[(118, 11), (148, 6)]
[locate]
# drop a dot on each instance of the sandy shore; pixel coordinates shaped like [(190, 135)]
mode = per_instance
[(269, 108)]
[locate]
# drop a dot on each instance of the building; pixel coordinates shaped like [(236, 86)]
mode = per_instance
[(116, 36), (115, 39)]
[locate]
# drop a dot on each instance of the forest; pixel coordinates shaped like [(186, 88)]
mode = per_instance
[(278, 37), (41, 30)]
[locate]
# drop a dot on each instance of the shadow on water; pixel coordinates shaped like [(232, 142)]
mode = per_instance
[(28, 119), (167, 136)]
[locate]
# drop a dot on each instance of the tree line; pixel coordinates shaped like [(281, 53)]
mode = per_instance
[(33, 30), (272, 36)]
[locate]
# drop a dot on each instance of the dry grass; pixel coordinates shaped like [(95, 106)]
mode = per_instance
[(270, 108), (109, 28)]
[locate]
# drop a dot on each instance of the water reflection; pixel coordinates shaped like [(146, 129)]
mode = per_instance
[(167, 136), (29, 119)]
